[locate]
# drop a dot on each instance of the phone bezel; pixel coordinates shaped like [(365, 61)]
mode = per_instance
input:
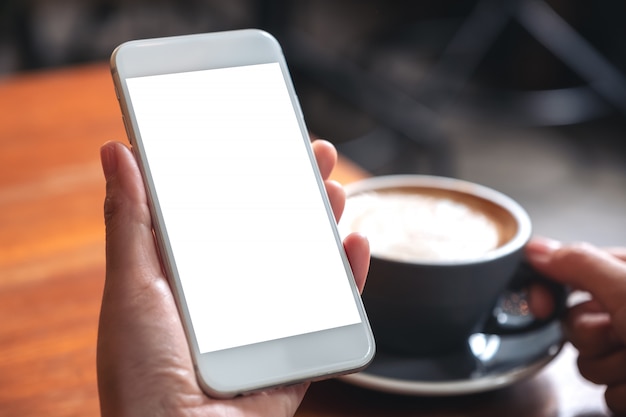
[(273, 363)]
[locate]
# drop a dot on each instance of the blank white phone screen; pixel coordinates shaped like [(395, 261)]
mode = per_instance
[(250, 234)]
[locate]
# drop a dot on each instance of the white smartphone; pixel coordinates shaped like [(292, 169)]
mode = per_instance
[(243, 224)]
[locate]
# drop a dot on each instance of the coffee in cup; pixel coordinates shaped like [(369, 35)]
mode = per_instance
[(429, 224), (443, 251)]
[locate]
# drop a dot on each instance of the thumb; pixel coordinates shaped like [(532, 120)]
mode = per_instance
[(129, 240), (582, 266)]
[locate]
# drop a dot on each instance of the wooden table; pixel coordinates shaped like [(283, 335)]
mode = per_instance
[(52, 124)]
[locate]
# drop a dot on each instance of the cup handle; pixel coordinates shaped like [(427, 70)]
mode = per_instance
[(511, 314)]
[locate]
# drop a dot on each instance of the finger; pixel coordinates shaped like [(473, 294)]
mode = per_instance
[(615, 396), (582, 266), (278, 402), (325, 155), (358, 251), (540, 301), (337, 197), (605, 370), (618, 252), (129, 240), (589, 329)]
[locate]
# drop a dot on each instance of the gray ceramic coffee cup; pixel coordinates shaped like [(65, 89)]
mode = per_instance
[(428, 304)]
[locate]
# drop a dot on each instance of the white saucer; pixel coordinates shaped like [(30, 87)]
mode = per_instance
[(491, 362)]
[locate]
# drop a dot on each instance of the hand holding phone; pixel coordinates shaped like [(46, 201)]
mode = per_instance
[(144, 360), (198, 174)]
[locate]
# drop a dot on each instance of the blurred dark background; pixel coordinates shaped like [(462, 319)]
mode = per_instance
[(526, 96)]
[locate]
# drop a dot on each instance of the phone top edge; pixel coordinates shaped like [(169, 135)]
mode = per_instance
[(153, 56), (231, 34)]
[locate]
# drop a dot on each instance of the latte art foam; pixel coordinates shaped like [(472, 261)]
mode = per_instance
[(411, 226)]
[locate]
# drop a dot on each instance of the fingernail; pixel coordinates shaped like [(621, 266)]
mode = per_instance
[(108, 158), (540, 249)]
